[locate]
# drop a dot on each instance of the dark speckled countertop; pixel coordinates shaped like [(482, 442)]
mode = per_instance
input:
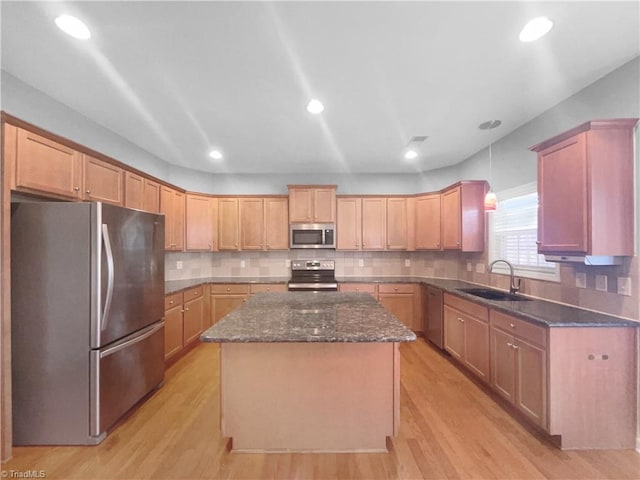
[(309, 317), (536, 311)]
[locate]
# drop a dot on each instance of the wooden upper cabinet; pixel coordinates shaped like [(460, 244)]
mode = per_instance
[(45, 166), (141, 193), (427, 226), (312, 203), (585, 190), (172, 204), (228, 226), (103, 182), (349, 223), (374, 222), (276, 219), (133, 190), (397, 229), (200, 223), (463, 217), (252, 224), (151, 201)]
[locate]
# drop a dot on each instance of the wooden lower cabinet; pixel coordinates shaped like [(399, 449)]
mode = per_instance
[(225, 298), (519, 365), (370, 288), (184, 316), (404, 301), (173, 337), (267, 287), (466, 334)]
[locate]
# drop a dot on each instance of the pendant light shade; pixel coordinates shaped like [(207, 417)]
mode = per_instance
[(490, 202), (490, 199)]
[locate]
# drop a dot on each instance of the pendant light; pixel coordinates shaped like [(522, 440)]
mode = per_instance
[(490, 199)]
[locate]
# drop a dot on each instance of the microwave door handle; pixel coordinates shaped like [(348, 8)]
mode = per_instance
[(110, 276)]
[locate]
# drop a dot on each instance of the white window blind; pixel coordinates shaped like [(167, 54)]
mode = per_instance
[(513, 234)]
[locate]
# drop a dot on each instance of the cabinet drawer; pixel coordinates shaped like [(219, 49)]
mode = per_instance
[(358, 287), (192, 293), (396, 288), (267, 287), (231, 288), (466, 306), (519, 328), (172, 300)]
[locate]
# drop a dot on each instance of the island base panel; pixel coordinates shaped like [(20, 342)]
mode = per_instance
[(309, 397)]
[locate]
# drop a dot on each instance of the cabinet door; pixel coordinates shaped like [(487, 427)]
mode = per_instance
[(193, 319), (172, 331), (251, 224), (178, 220), (476, 346), (349, 223), (401, 305), (453, 332), (503, 374), (428, 222), (562, 187), (228, 230), (373, 223), (324, 205), (276, 211), (199, 223), (223, 304), (300, 205), (151, 202), (133, 191), (103, 182), (396, 223), (47, 166), (451, 221), (531, 377)]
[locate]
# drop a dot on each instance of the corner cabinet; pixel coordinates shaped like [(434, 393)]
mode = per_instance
[(463, 217), (585, 189), (200, 223), (172, 204)]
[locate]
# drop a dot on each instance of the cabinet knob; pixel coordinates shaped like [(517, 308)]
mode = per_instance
[(512, 325), (228, 289), (509, 344), (88, 192), (395, 289), (77, 189), (186, 309), (461, 320), (170, 302), (538, 242)]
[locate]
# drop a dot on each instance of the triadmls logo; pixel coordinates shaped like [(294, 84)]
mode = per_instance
[(23, 474)]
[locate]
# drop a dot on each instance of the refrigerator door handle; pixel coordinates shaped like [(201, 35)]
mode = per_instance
[(110, 275), (146, 333)]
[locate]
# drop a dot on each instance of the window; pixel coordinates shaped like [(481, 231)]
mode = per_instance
[(513, 234)]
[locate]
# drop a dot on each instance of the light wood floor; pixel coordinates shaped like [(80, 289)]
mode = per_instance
[(450, 428)]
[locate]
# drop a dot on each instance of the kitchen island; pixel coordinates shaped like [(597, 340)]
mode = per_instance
[(309, 371)]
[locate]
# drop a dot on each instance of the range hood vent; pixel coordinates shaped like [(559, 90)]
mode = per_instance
[(586, 259)]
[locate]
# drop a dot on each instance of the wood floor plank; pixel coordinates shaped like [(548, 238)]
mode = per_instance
[(450, 429)]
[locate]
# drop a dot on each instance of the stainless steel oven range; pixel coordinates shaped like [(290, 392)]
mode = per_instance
[(313, 276)]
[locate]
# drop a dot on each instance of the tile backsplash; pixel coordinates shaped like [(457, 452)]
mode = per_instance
[(428, 264)]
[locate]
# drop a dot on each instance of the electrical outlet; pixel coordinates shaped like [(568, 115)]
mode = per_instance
[(479, 267), (242, 263), (361, 263), (601, 283), (581, 280), (624, 286), (469, 267), (287, 263), (407, 262), (179, 265)]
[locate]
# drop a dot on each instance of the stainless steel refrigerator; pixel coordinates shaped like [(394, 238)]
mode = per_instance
[(87, 287)]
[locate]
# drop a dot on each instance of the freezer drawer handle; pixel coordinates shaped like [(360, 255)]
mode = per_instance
[(143, 334), (109, 254)]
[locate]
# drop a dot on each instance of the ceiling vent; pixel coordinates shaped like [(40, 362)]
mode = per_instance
[(418, 139)]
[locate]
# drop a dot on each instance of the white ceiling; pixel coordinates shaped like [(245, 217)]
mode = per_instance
[(181, 78)]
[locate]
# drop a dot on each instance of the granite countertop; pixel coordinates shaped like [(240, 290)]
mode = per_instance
[(272, 317)]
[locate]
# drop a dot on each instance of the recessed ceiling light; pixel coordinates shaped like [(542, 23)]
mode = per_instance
[(411, 154), (72, 26), (215, 154), (315, 106), (535, 29)]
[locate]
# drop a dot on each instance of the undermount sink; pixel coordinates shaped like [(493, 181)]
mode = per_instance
[(491, 294)]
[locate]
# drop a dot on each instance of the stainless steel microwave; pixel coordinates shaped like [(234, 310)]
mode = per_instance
[(312, 235)]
